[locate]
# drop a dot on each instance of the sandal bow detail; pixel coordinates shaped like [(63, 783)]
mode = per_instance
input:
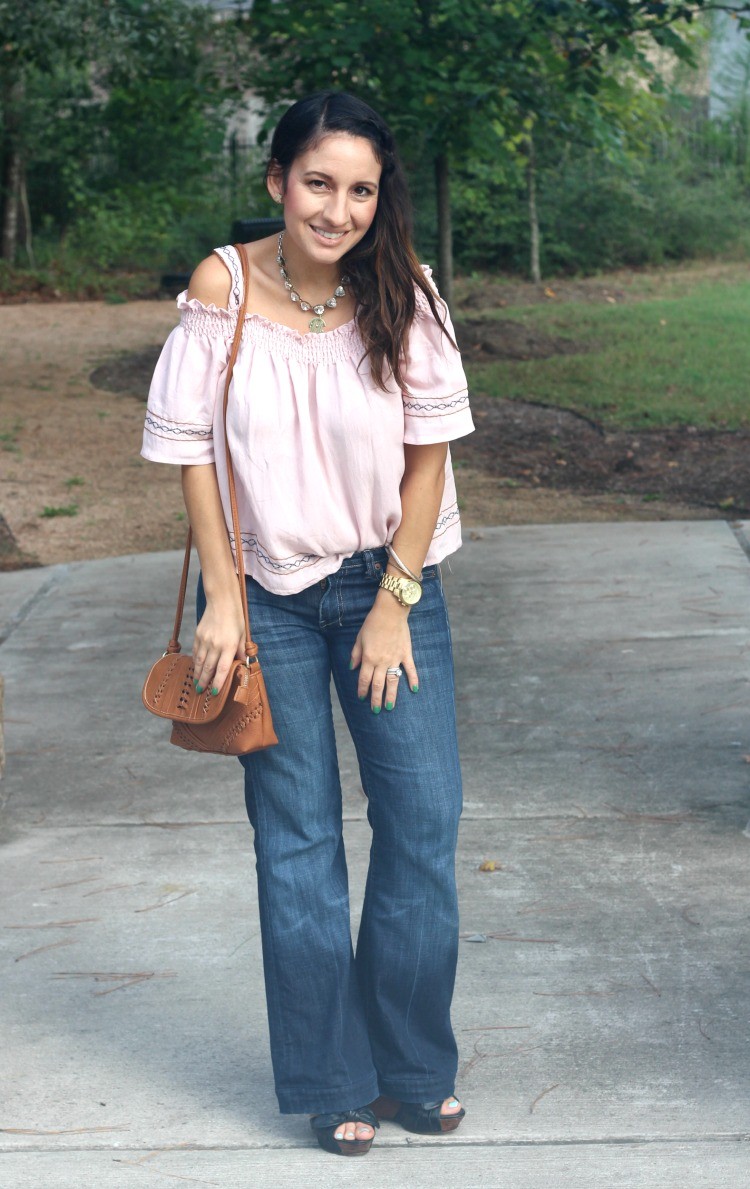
[(325, 1127)]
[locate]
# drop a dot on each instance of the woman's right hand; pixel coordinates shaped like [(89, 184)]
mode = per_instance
[(219, 640)]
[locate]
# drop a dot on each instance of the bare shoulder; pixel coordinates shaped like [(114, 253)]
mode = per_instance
[(211, 283)]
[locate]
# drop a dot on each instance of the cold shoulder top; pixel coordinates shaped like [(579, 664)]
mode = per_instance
[(317, 448)]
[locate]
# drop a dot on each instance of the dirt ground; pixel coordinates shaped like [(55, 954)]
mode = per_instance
[(70, 445)]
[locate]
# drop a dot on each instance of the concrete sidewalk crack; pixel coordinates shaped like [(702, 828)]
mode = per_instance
[(28, 606), (414, 1141)]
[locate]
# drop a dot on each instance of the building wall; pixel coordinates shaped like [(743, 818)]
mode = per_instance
[(729, 73)]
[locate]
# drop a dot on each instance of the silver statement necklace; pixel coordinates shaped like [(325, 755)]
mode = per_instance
[(317, 324)]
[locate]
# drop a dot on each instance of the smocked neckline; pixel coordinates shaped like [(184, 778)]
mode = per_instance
[(197, 306)]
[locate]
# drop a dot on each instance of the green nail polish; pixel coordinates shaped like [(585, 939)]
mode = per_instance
[(361, 697), (351, 664), (376, 710), (198, 688), (214, 691), (415, 689), (389, 705)]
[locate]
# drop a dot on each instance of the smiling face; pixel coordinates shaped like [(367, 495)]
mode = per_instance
[(330, 198)]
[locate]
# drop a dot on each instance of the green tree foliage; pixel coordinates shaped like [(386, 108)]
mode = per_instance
[(113, 116), (159, 133), (36, 39), (441, 71), (464, 80)]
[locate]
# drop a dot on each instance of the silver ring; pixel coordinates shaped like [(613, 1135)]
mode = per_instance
[(396, 671)]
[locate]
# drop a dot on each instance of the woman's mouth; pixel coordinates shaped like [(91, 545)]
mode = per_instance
[(329, 237)]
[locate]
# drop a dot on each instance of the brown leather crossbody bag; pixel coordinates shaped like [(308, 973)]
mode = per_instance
[(237, 720)]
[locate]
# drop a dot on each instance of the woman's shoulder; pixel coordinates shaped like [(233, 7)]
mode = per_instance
[(423, 305), (211, 282)]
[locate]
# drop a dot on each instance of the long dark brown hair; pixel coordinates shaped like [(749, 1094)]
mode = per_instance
[(383, 266)]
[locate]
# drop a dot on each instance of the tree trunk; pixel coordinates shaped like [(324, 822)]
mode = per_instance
[(11, 205), (445, 231), (536, 272), (25, 212), (13, 170)]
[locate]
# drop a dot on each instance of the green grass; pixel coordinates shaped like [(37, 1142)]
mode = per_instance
[(666, 361), (74, 280), (49, 513), (9, 439)]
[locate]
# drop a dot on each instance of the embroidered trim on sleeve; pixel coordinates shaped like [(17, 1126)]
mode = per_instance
[(446, 519), (437, 406), (177, 431)]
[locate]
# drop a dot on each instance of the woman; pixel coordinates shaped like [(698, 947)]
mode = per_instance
[(346, 390)]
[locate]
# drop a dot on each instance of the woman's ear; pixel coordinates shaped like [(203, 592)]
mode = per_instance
[(275, 183)]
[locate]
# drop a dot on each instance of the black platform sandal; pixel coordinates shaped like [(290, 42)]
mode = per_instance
[(424, 1118), (325, 1127)]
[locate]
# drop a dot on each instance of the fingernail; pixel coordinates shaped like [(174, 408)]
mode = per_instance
[(351, 664), (376, 710), (199, 688), (415, 689), (389, 705), (361, 697), (214, 691)]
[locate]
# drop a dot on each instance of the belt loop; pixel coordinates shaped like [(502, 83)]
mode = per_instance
[(373, 568)]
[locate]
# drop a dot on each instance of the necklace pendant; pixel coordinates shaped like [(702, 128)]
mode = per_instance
[(317, 324)]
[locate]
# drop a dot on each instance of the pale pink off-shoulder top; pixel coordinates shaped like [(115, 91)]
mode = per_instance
[(317, 447)]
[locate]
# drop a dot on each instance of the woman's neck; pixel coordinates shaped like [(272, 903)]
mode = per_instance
[(314, 280)]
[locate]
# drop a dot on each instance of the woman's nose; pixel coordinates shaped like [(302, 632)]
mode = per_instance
[(337, 210)]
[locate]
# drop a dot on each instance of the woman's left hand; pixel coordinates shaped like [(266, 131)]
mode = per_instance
[(384, 642)]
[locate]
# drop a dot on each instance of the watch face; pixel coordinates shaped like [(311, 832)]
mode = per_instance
[(411, 593)]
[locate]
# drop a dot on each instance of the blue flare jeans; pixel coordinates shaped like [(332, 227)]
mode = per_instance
[(347, 1026)]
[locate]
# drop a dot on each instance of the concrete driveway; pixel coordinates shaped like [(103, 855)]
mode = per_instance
[(602, 997)]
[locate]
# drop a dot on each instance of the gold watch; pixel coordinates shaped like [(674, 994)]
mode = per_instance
[(405, 590)]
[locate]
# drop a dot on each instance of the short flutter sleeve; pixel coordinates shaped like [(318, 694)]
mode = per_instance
[(435, 393), (186, 384)]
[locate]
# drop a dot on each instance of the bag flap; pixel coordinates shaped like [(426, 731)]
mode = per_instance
[(169, 690)]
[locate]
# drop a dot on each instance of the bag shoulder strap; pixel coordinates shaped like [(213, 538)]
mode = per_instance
[(251, 648)]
